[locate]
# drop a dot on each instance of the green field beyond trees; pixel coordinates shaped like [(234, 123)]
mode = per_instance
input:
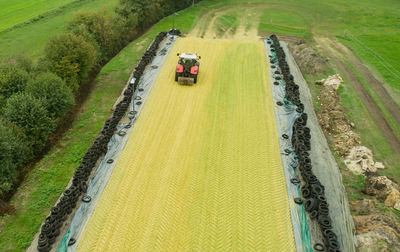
[(13, 12), (31, 38)]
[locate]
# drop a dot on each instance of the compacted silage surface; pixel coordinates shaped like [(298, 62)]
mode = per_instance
[(201, 169)]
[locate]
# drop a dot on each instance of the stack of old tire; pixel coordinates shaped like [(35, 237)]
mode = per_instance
[(313, 192), (51, 227), (174, 32)]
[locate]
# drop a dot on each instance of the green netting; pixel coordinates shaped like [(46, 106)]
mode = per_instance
[(64, 243)]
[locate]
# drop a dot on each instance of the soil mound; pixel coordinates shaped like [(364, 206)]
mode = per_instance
[(360, 160), (308, 58), (332, 117)]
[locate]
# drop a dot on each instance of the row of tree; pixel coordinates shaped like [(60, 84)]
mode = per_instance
[(34, 97)]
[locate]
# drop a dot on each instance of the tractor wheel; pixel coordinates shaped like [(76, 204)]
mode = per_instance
[(195, 79), (176, 76)]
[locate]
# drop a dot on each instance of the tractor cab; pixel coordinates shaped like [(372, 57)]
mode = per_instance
[(187, 68)]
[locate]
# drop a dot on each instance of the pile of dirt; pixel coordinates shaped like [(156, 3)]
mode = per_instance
[(375, 231), (371, 225), (307, 57), (384, 189), (332, 117), (333, 81), (360, 160)]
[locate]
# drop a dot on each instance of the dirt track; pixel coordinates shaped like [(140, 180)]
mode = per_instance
[(335, 52), (202, 168), (206, 28), (376, 85)]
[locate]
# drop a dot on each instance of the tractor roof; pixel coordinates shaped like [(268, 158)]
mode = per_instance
[(188, 55)]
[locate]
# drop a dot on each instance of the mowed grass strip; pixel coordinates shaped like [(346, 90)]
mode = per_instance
[(201, 170)]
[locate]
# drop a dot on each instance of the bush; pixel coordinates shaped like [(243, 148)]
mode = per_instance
[(31, 116), (70, 57), (142, 10), (12, 80), (126, 27), (13, 153), (24, 62), (56, 96), (96, 28)]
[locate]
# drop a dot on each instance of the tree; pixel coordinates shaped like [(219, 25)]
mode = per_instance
[(126, 27), (31, 116), (12, 80), (70, 57), (56, 96), (24, 62), (147, 12), (98, 30), (13, 153), (137, 9)]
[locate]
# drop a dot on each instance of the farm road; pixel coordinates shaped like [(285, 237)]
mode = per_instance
[(247, 28)]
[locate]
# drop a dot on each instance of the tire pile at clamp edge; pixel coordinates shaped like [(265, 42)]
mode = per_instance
[(312, 191), (58, 215)]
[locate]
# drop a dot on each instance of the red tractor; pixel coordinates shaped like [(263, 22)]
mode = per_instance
[(187, 68)]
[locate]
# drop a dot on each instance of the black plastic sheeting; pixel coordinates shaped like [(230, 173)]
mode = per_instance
[(50, 230), (312, 191)]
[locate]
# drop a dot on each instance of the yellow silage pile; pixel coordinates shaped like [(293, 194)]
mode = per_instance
[(201, 170)]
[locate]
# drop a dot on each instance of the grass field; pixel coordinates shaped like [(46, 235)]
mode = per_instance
[(282, 21), (377, 42), (207, 173), (18, 11), (30, 39)]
